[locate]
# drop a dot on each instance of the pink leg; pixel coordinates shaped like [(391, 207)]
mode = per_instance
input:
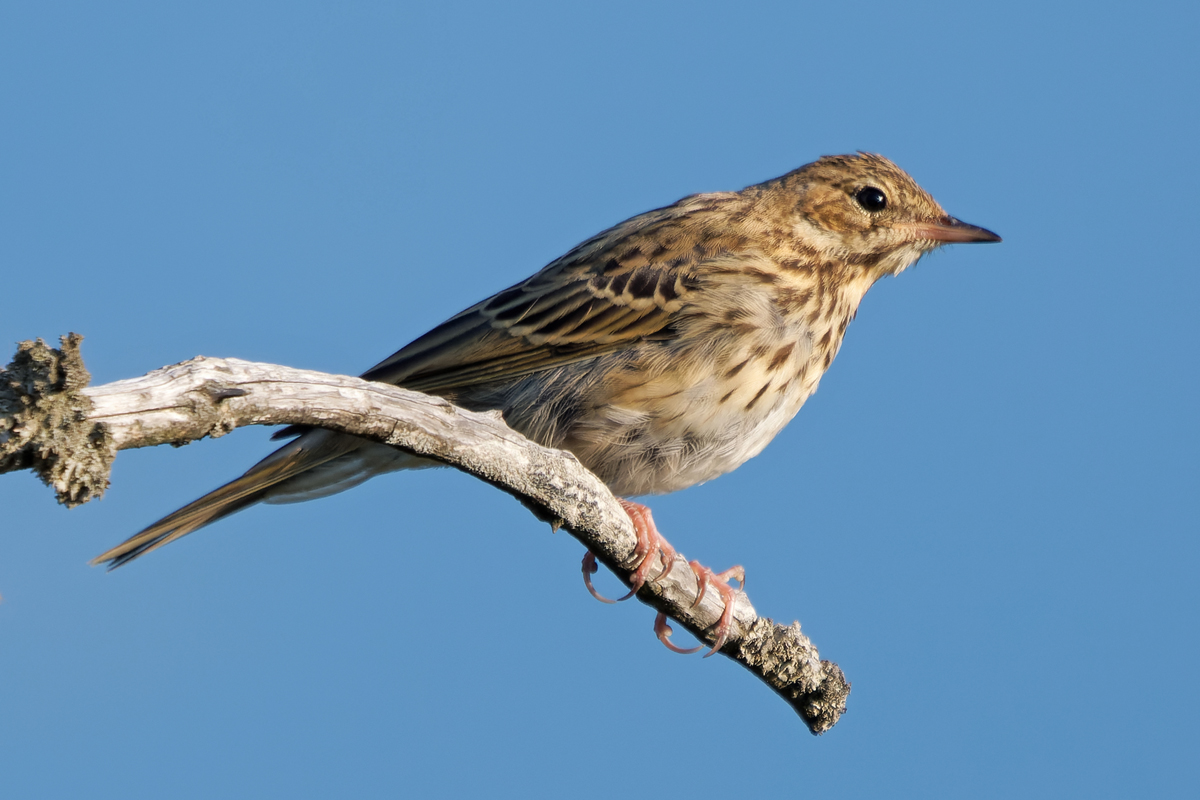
[(649, 542)]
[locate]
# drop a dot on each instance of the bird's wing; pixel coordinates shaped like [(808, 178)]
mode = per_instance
[(621, 286), (573, 312)]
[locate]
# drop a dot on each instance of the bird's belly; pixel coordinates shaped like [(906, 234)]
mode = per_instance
[(697, 448), (689, 424)]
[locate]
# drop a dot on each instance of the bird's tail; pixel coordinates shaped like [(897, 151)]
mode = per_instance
[(304, 455)]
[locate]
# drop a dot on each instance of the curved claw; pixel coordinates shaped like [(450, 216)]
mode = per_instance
[(698, 570), (663, 631), (723, 626), (589, 569), (649, 541), (738, 574), (720, 580)]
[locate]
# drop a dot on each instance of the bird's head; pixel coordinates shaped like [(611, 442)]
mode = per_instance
[(862, 210)]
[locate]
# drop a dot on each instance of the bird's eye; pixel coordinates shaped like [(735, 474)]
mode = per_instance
[(871, 199)]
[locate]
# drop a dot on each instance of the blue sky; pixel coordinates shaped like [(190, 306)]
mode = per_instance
[(986, 516)]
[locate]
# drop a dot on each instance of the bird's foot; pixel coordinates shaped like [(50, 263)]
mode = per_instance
[(705, 577), (649, 542)]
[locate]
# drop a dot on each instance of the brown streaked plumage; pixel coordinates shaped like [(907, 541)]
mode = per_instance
[(662, 352)]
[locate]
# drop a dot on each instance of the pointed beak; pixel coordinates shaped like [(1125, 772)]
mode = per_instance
[(948, 229)]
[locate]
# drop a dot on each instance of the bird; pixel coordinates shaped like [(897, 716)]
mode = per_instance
[(662, 352)]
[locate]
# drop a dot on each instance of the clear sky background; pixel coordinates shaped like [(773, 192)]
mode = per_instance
[(986, 516)]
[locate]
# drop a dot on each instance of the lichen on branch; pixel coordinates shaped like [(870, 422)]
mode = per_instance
[(45, 423)]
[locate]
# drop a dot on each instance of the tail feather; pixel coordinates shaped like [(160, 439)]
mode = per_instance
[(310, 451), (195, 515)]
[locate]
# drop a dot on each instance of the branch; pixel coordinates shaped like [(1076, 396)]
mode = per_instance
[(69, 435)]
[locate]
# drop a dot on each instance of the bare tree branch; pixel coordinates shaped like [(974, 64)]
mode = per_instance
[(69, 435)]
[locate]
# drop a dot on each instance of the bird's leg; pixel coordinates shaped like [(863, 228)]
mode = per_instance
[(705, 577), (649, 542)]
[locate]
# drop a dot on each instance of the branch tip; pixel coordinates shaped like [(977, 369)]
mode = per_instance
[(44, 421)]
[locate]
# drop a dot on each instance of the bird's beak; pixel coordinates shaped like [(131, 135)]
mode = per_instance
[(948, 229)]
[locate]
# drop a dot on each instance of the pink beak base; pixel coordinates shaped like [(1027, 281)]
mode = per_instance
[(951, 230)]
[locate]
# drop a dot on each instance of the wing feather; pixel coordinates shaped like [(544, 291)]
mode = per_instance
[(611, 290), (619, 287)]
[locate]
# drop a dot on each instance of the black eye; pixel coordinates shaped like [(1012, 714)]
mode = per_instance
[(871, 199)]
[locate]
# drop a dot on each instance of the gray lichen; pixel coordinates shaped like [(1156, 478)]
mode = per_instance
[(44, 422)]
